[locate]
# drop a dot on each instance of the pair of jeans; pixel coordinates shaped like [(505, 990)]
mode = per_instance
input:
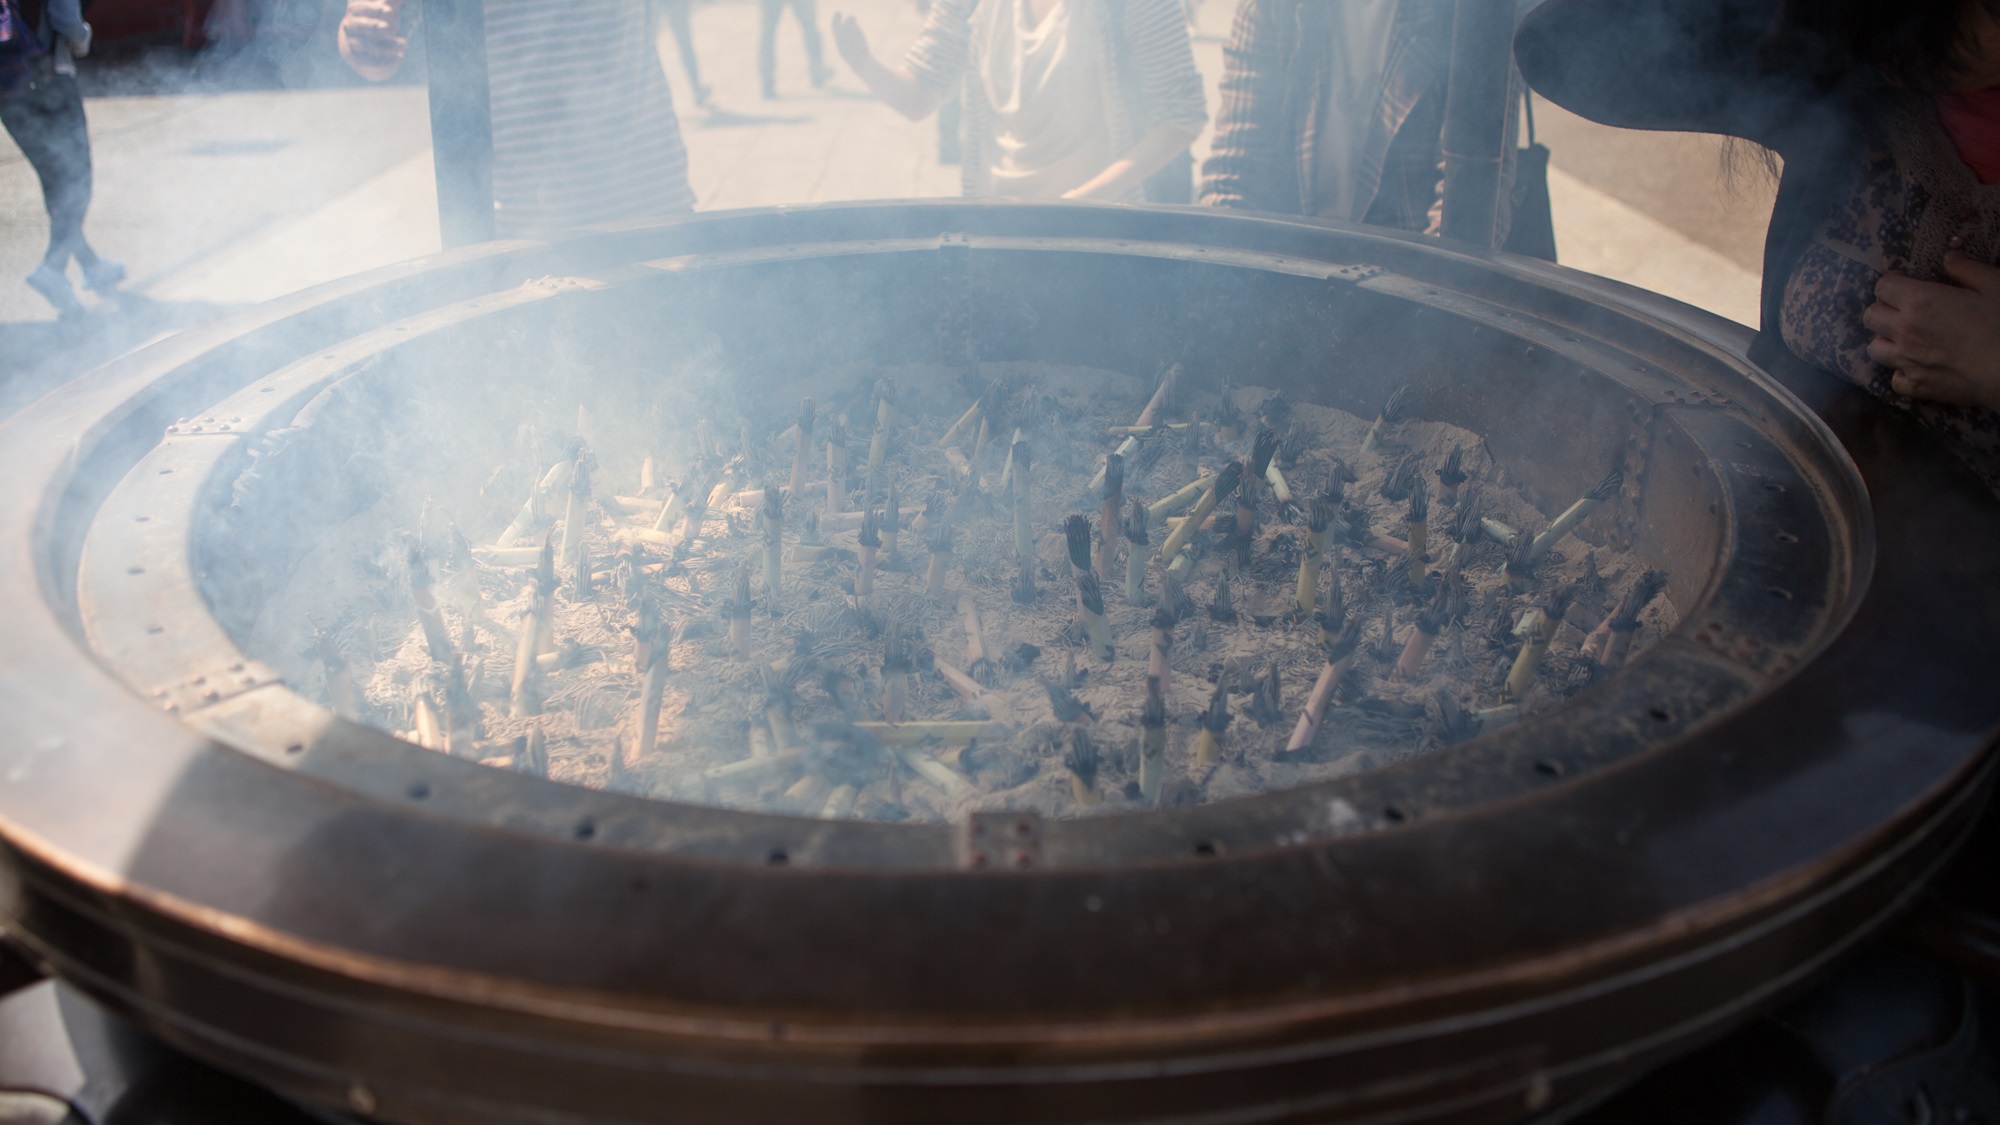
[(807, 12), (47, 122)]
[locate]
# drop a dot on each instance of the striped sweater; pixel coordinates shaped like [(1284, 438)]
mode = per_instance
[(584, 130), (1151, 71)]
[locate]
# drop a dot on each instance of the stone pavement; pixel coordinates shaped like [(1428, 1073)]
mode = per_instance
[(221, 198)]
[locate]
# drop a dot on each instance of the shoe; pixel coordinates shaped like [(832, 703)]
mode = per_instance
[(702, 94), (770, 91), (55, 289), (104, 275), (821, 77)]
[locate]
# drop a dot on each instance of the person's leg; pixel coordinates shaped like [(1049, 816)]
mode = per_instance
[(808, 13), (768, 12), (680, 18), (73, 146), (34, 120)]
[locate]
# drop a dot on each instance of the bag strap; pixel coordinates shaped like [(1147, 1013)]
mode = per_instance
[(1528, 113)]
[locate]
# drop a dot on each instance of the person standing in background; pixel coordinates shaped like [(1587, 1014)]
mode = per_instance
[(1078, 99), (584, 130), (1334, 109), (680, 17), (807, 13), (42, 109)]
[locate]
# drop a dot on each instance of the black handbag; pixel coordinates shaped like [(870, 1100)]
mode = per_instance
[(1533, 232)]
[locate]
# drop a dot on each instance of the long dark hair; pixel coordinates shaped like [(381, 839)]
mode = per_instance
[(1918, 45)]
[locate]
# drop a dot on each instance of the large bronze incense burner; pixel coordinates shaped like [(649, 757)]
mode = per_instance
[(629, 678)]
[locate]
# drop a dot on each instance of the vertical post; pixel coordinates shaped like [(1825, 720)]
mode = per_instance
[(1475, 118), (461, 119)]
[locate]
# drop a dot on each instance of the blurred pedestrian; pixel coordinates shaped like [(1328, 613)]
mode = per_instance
[(584, 130), (806, 12), (1336, 111), (680, 17), (42, 110), (1079, 99)]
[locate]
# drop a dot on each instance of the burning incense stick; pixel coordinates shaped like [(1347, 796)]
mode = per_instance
[(1419, 527), (574, 517), (1151, 414), (871, 541), (737, 612), (1174, 501), (1024, 538), (1174, 599), (1592, 500), (341, 693), (652, 688), (1162, 647), (536, 624), (803, 450), (1611, 642), (771, 517), (939, 544), (1393, 411), (1430, 623), (1536, 629), (1152, 743), (1090, 601), (1451, 475), (892, 521), (1111, 496), (878, 446), (1228, 417), (1213, 722), (1080, 759), (1339, 657), (1135, 555), (976, 661), (974, 413), (836, 467), (1224, 484), (1319, 514), (436, 640), (533, 757), (1222, 607), (1076, 536), (896, 662)]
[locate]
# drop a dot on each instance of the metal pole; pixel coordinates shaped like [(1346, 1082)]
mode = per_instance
[(461, 119), (1475, 118)]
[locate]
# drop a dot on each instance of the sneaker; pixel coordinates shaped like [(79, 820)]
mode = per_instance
[(770, 91), (55, 289), (702, 94), (821, 77), (104, 275)]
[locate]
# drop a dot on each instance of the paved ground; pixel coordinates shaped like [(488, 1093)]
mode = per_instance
[(273, 174)]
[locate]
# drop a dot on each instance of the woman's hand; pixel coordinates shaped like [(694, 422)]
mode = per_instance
[(897, 86), (852, 42), (1942, 341), (371, 38)]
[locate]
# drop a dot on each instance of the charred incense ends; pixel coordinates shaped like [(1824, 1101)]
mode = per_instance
[(1611, 642), (1395, 410), (1135, 555), (1080, 758), (1152, 743), (1592, 500), (1090, 604), (1213, 723)]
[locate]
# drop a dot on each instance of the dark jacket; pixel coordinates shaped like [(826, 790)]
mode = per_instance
[(1698, 66)]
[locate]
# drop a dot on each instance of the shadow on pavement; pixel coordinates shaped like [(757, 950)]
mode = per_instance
[(44, 354)]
